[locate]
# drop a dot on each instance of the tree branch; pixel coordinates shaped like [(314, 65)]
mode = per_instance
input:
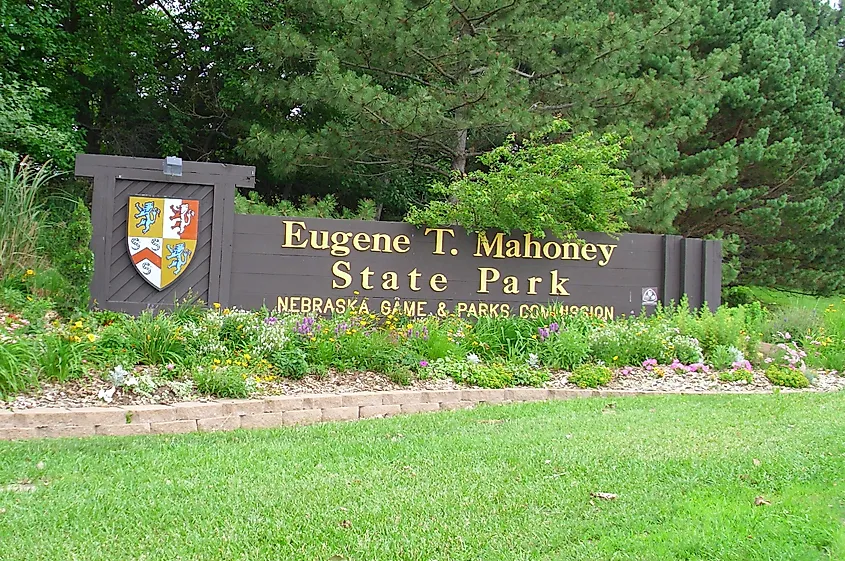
[(467, 21), (488, 15), (389, 72), (435, 65)]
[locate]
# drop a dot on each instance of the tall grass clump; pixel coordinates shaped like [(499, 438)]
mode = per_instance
[(21, 213)]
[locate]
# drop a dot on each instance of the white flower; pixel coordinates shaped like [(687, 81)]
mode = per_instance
[(473, 358), (131, 381), (106, 395)]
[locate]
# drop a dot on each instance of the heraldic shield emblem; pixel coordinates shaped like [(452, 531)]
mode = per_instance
[(162, 237)]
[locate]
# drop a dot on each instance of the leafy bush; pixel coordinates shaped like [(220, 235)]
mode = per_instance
[(309, 207), (564, 349), (723, 356), (797, 321), (591, 376), (787, 377), (539, 184), (226, 382), (16, 359), (60, 358), (473, 372), (736, 375), (66, 246), (290, 361), (154, 339), (738, 296)]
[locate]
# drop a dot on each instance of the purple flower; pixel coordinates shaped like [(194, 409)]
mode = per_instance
[(554, 327), (543, 332), (424, 363), (677, 365), (271, 320), (625, 371), (742, 364), (170, 366)]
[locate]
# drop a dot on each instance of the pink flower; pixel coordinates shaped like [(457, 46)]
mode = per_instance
[(424, 363), (170, 366), (677, 365), (649, 363), (742, 364), (625, 371)]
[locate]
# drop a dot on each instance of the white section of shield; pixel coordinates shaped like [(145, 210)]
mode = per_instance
[(171, 228), (150, 272), (137, 244)]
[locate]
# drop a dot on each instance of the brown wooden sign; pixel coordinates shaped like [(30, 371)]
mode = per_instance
[(318, 266)]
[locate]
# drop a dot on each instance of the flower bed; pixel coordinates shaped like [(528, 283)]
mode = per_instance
[(195, 352)]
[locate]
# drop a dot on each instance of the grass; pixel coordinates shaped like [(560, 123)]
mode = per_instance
[(495, 483), (779, 298)]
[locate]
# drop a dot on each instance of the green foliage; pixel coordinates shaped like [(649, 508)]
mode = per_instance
[(154, 339), (309, 207), (736, 375), (66, 240), (21, 213), (290, 361), (723, 356), (797, 321), (60, 358), (787, 377), (543, 184), (564, 349), (29, 127), (738, 296), (488, 375), (591, 376), (225, 382), (16, 359), (401, 375)]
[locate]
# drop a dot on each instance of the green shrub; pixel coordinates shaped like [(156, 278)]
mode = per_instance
[(738, 296), (66, 241), (797, 321), (309, 207), (483, 375), (16, 359), (60, 358), (787, 377), (591, 376), (737, 375), (510, 338), (401, 376), (291, 362), (154, 339), (564, 349), (226, 382), (723, 356)]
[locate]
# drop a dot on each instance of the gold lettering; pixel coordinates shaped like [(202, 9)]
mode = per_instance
[(437, 282), (313, 234), (557, 285), (532, 246), (489, 247), (485, 279), (385, 247), (339, 272), (511, 285), (390, 281), (438, 238), (282, 304), (317, 305), (366, 274), (606, 251), (359, 240), (305, 306), (512, 248), (532, 285), (570, 250), (551, 255), (339, 241), (399, 241), (290, 234), (329, 307), (588, 250), (413, 276)]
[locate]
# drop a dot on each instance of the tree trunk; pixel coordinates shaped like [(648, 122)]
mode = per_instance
[(459, 160)]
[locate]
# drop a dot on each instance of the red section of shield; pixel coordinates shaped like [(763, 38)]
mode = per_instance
[(149, 255), (190, 232)]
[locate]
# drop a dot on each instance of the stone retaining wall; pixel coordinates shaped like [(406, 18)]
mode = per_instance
[(269, 412)]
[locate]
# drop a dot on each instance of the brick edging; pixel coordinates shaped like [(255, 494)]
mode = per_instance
[(269, 412)]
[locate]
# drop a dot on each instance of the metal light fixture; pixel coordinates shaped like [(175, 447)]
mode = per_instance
[(173, 166)]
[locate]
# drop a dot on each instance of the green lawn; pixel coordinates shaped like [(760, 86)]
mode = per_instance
[(781, 299), (495, 483)]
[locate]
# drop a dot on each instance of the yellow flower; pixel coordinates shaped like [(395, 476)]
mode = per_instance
[(216, 361), (92, 337), (216, 305), (616, 358), (78, 324), (247, 356), (228, 361), (29, 272)]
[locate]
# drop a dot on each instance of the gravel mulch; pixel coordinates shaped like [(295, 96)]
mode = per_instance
[(84, 391)]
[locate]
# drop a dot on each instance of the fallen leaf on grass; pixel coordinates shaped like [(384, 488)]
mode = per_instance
[(760, 501), (22, 487), (345, 524), (604, 496)]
